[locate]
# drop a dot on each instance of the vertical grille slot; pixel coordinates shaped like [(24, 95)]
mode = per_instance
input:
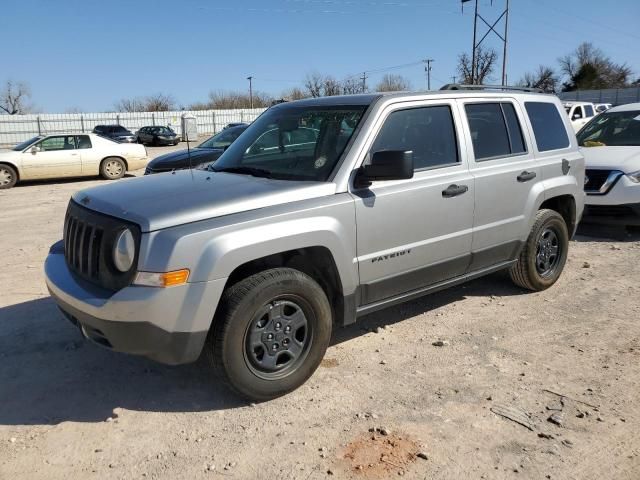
[(82, 246)]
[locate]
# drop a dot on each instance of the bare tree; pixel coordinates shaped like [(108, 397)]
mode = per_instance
[(294, 93), (313, 82), (158, 102), (228, 100), (351, 85), (484, 66), (331, 87), (543, 78), (588, 67), (393, 83), (129, 105), (14, 97)]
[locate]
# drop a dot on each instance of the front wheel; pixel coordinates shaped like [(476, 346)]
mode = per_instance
[(8, 176), (270, 333), (112, 168), (544, 254)]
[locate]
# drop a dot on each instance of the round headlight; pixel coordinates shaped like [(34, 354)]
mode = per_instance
[(124, 250)]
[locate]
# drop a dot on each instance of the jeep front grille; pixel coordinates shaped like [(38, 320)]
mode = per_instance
[(88, 239)]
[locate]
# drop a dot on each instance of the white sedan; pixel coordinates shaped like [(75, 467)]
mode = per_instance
[(69, 155)]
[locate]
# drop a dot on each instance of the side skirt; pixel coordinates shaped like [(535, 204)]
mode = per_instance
[(372, 307)]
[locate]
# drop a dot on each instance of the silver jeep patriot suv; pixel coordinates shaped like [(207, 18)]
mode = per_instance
[(322, 211)]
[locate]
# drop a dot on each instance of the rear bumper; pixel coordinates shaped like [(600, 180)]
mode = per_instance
[(625, 214), (168, 325)]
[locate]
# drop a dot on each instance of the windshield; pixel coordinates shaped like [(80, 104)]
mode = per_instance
[(23, 145), (293, 143), (223, 139), (612, 129)]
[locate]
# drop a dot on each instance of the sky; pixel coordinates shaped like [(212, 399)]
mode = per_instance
[(85, 55)]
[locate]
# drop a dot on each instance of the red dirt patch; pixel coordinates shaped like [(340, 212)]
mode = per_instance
[(374, 455), (329, 363)]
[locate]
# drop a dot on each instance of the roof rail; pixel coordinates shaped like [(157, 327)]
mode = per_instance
[(457, 86)]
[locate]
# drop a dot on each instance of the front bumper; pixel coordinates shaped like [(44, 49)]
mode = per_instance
[(167, 141), (625, 214), (168, 325), (619, 206)]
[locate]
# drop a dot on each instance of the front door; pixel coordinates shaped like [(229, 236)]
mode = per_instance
[(417, 232), (52, 157), (506, 178)]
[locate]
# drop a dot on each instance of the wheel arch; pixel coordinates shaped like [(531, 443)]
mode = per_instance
[(565, 205), (315, 261)]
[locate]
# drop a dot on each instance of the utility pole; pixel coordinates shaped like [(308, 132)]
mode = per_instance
[(476, 44), (427, 70), (453, 78), (504, 54), (364, 82), (250, 78)]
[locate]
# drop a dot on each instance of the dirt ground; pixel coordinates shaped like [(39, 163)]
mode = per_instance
[(385, 403)]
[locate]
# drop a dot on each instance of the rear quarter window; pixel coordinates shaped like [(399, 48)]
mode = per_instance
[(548, 128)]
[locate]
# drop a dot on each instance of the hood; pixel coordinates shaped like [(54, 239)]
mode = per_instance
[(180, 159), (168, 199), (625, 159), (10, 155)]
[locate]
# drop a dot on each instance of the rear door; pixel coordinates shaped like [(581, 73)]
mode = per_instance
[(55, 156), (506, 175), (417, 232)]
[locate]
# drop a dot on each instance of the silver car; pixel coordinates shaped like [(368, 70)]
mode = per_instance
[(354, 204)]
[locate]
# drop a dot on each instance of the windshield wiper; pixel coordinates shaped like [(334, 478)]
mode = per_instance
[(253, 171)]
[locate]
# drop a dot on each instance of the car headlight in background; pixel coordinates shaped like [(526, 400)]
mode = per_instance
[(634, 176), (124, 250)]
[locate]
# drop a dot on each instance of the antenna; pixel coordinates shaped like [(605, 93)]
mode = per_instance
[(186, 132)]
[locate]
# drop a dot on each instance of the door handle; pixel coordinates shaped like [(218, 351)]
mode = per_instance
[(526, 176), (454, 190)]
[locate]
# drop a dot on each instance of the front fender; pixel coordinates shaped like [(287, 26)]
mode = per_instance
[(225, 253), (213, 249)]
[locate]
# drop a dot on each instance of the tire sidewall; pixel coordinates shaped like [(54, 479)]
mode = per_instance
[(556, 222), (103, 167), (311, 298), (14, 176)]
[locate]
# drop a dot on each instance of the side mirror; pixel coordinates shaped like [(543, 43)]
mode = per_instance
[(35, 149), (386, 165), (576, 116)]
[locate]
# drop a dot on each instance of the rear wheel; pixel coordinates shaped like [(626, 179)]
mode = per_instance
[(8, 176), (112, 168), (544, 254), (270, 333)]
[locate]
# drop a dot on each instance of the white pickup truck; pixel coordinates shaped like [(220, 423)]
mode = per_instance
[(580, 113)]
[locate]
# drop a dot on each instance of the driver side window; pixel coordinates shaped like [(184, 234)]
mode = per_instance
[(57, 143), (428, 132)]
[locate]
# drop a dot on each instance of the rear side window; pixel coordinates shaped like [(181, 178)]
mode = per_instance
[(548, 126), (429, 132), (495, 130), (83, 141), (589, 110)]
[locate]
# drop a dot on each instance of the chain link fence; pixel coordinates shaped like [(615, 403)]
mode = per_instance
[(615, 96), (18, 128)]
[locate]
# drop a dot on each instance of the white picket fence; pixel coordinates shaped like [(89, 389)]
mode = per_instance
[(18, 128)]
